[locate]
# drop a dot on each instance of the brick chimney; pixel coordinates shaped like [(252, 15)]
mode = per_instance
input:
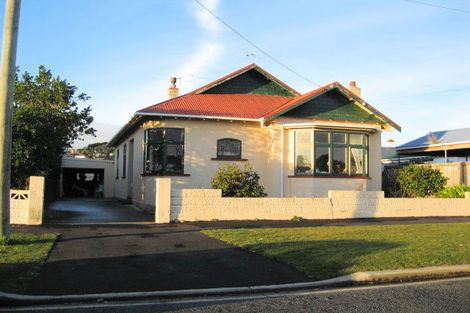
[(173, 91), (354, 89)]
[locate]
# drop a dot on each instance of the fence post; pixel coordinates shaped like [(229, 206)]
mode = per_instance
[(36, 200), (162, 200)]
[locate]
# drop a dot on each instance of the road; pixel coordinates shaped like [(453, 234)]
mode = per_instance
[(451, 295)]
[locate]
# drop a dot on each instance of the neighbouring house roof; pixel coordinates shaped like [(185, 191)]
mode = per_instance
[(253, 94), (455, 139)]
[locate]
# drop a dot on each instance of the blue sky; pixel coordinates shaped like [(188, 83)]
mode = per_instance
[(411, 61)]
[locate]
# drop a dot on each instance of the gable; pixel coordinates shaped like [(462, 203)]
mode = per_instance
[(333, 105), (250, 82)]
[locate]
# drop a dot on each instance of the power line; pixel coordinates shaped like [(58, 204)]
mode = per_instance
[(256, 46), (438, 6)]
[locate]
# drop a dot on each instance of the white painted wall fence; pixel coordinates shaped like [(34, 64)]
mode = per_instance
[(27, 206), (208, 204)]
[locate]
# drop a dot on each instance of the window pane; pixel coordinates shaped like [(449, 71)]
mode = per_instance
[(339, 161), (154, 162), (339, 138), (355, 139), (155, 134), (322, 158), (303, 152), (229, 148), (357, 161), (174, 158), (366, 140), (174, 135), (322, 137)]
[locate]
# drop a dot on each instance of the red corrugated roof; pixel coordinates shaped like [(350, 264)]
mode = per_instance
[(244, 106)]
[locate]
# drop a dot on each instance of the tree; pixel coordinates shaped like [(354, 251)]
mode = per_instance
[(99, 150), (46, 120)]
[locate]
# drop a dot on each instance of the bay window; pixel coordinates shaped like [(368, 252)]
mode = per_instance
[(330, 153)]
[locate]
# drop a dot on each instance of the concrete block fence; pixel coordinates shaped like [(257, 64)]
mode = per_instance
[(208, 204), (27, 206)]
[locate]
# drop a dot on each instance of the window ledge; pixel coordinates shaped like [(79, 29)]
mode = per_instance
[(228, 159), (327, 176), (163, 175)]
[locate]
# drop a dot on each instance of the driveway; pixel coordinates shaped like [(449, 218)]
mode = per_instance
[(92, 210), (147, 257)]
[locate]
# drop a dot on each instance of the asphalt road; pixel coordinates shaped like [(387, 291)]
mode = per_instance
[(148, 257), (452, 295)]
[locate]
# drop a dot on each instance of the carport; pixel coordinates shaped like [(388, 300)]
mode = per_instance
[(86, 178)]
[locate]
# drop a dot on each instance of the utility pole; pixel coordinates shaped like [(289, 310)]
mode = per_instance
[(7, 81)]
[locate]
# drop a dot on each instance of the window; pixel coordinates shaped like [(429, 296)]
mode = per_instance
[(124, 160), (303, 152), (334, 153), (117, 163), (164, 150), (228, 148)]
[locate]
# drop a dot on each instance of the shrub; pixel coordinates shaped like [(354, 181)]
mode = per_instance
[(235, 182), (454, 192), (420, 181)]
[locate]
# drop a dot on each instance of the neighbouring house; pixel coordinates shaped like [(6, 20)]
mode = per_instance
[(301, 145), (443, 146)]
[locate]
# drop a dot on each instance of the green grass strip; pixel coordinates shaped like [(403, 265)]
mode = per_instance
[(326, 252), (21, 257)]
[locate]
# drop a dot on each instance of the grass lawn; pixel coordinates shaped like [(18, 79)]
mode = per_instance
[(326, 252), (21, 259)]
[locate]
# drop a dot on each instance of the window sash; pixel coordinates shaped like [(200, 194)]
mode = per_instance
[(335, 155), (228, 148), (164, 151)]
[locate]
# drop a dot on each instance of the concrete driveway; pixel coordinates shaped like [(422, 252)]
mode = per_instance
[(92, 210)]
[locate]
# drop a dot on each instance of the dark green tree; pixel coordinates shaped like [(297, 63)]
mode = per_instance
[(46, 120), (99, 150)]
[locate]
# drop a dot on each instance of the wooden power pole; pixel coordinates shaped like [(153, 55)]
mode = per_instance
[(7, 81)]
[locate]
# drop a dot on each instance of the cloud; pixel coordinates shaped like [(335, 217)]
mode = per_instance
[(205, 19), (209, 50), (206, 54)]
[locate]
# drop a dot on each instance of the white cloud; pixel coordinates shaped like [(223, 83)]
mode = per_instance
[(206, 54), (205, 19)]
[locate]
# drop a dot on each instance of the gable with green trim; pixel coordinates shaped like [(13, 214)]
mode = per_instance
[(333, 105), (250, 82)]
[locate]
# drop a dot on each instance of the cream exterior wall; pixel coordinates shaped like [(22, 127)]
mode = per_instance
[(269, 149)]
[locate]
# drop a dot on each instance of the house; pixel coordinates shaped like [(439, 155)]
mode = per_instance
[(301, 145), (444, 146)]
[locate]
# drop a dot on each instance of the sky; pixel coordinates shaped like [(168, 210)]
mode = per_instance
[(411, 61)]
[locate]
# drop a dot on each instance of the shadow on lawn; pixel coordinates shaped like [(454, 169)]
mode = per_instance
[(322, 259)]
